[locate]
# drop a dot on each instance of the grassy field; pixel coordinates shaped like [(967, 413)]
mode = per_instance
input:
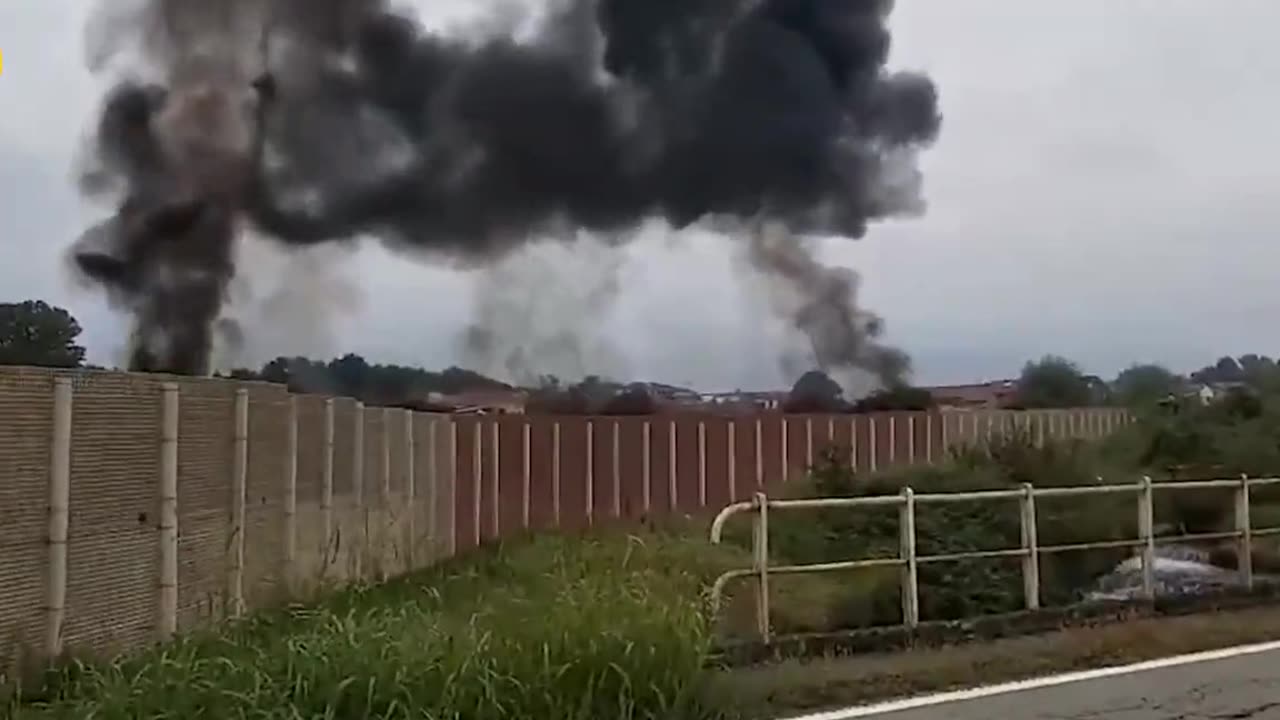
[(612, 627)]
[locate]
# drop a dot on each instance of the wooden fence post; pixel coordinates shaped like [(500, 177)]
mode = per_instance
[(59, 517)]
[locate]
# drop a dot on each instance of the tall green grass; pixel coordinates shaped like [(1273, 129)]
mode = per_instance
[(551, 628)]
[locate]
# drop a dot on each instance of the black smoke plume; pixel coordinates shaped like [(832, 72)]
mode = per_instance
[(350, 120)]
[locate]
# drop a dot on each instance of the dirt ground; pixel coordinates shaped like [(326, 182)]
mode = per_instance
[(797, 686)]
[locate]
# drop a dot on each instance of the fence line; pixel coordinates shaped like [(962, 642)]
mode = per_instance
[(135, 507), (1029, 550)]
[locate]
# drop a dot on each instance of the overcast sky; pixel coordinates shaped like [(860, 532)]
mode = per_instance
[(1106, 187)]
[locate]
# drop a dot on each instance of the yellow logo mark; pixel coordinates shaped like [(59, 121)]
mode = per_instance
[(1, 62)]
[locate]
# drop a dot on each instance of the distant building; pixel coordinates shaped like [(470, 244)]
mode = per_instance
[(482, 402), (743, 400), (977, 396)]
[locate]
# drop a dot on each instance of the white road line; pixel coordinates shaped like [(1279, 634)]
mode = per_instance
[(1043, 682)]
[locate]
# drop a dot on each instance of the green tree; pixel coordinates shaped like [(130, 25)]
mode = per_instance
[(1145, 385), (815, 392), (37, 333), (1053, 382)]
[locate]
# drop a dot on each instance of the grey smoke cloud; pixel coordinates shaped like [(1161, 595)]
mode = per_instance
[(606, 114)]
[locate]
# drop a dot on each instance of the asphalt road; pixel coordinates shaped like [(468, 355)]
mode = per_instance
[(1240, 687)]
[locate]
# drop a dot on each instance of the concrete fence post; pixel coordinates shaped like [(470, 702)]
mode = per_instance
[(808, 444), (928, 438), (1146, 534), (1030, 549), (785, 451), (55, 609), (433, 488), (1244, 547), (673, 486), (326, 483), (853, 443), (872, 450), (759, 458), (477, 482), (907, 553), (590, 490), (526, 472), (646, 467), (410, 490), (615, 466), (239, 502), (495, 465), (291, 498), (555, 474), (384, 499), (167, 596), (731, 457), (702, 464), (357, 486), (893, 439), (453, 487), (911, 439)]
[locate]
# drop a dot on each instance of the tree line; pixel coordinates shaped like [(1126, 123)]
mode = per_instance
[(40, 334)]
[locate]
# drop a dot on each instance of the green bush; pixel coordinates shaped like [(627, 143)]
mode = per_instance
[(963, 588)]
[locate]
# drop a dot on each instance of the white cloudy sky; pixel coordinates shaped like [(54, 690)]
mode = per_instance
[(1105, 187)]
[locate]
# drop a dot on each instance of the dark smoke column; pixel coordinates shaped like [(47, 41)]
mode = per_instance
[(744, 112), (177, 156)]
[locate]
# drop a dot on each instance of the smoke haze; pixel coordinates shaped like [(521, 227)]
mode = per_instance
[(321, 121)]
